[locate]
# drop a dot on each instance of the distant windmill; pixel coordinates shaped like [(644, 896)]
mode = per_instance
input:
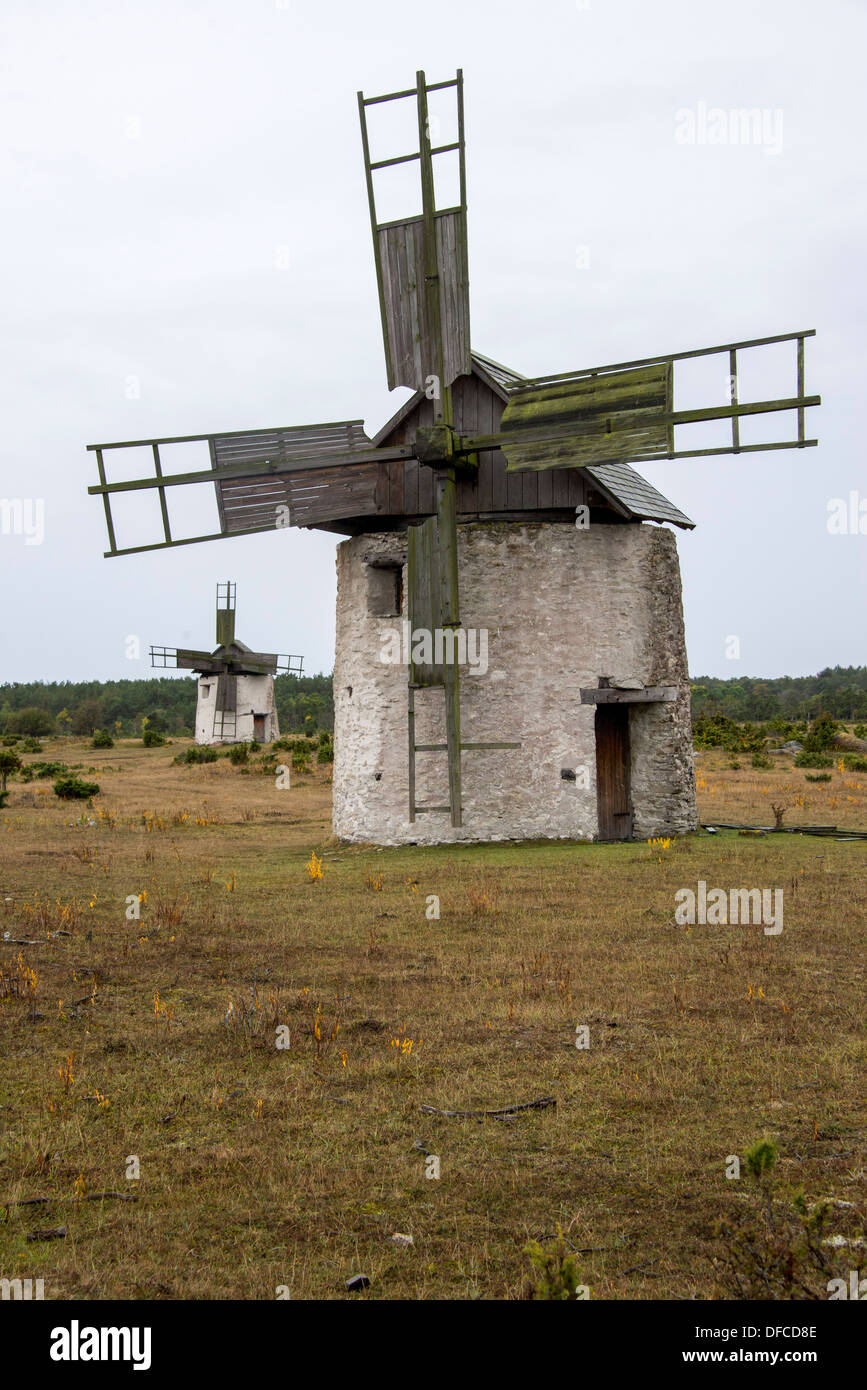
[(236, 686), (461, 514)]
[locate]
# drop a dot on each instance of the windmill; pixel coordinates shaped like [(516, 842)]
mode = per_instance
[(236, 687), (551, 440)]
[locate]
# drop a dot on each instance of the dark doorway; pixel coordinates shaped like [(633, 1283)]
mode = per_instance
[(259, 728), (614, 803)]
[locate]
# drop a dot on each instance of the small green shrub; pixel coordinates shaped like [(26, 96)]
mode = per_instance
[(10, 740), (853, 762), (556, 1277), (239, 754), (151, 739), (199, 753), (817, 776), (42, 771), (760, 760), (31, 745), (761, 1158), (301, 761), (102, 739), (821, 734), (807, 759), (860, 731), (71, 789), (786, 728)]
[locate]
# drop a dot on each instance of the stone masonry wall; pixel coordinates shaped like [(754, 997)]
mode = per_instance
[(562, 606)]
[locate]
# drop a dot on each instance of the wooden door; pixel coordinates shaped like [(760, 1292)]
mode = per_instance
[(614, 802), (259, 728)]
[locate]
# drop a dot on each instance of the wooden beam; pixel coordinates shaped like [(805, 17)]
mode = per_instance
[(534, 382), (106, 503), (163, 506), (595, 424), (205, 438), (262, 468), (651, 695)]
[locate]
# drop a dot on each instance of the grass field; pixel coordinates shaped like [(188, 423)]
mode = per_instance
[(263, 1166)]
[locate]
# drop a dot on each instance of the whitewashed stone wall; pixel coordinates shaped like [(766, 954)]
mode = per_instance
[(255, 695), (562, 607)]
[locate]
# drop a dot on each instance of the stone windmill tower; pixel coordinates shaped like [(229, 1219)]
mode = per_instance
[(235, 702), (510, 650)]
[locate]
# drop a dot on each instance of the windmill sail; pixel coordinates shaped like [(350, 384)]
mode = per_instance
[(625, 411), (264, 480), (421, 261)]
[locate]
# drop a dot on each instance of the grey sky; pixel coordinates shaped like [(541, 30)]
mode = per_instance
[(161, 162)]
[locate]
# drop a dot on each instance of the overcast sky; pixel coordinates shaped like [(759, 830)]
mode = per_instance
[(186, 248)]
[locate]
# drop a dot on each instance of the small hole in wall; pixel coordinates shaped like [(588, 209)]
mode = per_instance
[(568, 774), (377, 776), (349, 691)]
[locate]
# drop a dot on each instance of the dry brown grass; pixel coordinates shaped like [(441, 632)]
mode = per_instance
[(745, 796), (264, 1166)]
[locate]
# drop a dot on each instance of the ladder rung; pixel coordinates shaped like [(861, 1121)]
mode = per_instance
[(420, 809)]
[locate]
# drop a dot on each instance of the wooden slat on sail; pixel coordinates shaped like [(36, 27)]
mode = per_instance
[(278, 498), (411, 349)]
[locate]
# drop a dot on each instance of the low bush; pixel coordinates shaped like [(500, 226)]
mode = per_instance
[(41, 771), (72, 789), (718, 731), (151, 739), (199, 753), (760, 760), (821, 733), (31, 745), (102, 739), (239, 754), (817, 776), (807, 759), (860, 731)]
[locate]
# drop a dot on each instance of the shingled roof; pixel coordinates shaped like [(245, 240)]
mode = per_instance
[(631, 494)]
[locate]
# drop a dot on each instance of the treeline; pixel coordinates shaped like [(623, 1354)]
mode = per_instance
[(304, 705), (840, 691)]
